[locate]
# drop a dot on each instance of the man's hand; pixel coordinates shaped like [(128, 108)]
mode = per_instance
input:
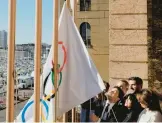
[(94, 118)]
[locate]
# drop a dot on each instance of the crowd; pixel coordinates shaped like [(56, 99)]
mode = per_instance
[(125, 102)]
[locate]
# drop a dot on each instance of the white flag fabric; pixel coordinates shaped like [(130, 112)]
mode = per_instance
[(78, 77)]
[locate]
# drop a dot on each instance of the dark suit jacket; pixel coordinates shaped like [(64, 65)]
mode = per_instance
[(132, 116), (116, 114)]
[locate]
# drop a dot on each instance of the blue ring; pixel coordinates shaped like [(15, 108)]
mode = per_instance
[(29, 104)]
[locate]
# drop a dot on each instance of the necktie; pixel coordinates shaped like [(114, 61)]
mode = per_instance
[(105, 114), (105, 111)]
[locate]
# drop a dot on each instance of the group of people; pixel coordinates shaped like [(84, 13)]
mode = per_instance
[(125, 102)]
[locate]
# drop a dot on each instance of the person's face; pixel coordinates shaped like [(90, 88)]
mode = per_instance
[(132, 85), (113, 95), (123, 86), (128, 103)]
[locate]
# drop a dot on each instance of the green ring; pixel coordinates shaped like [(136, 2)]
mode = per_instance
[(53, 77)]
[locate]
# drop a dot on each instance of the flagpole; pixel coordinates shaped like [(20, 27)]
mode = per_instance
[(65, 117), (74, 18), (74, 13), (55, 54), (10, 63), (75, 10), (68, 3), (37, 66)]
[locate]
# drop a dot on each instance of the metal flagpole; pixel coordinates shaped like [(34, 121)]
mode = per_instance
[(37, 66), (55, 53), (74, 18), (75, 11), (10, 64), (65, 115), (41, 93), (73, 110), (68, 3)]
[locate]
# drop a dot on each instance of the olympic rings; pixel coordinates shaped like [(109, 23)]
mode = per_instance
[(29, 104), (54, 76), (52, 95), (65, 56)]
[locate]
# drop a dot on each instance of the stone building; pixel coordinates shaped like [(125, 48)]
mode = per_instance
[(128, 39), (117, 31), (122, 38), (93, 24), (3, 39)]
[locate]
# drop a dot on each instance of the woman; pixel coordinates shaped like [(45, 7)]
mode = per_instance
[(132, 105), (150, 102)]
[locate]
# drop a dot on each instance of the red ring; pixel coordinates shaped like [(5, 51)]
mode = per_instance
[(65, 57)]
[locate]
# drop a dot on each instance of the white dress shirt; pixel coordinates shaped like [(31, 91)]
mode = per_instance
[(150, 116)]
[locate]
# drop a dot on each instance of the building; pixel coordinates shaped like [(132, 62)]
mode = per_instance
[(3, 39), (124, 38), (119, 35), (115, 33), (93, 23), (18, 54)]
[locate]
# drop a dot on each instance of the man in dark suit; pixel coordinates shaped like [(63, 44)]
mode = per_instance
[(136, 84), (112, 110)]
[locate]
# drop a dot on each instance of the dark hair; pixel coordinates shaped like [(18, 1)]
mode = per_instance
[(121, 93), (149, 98), (134, 102), (107, 86), (138, 80), (125, 82)]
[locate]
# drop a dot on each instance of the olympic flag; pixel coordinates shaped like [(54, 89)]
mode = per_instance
[(78, 78)]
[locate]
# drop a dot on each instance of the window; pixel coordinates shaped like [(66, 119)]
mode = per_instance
[(85, 31), (85, 5)]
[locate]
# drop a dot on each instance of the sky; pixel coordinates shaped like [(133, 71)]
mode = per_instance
[(25, 20)]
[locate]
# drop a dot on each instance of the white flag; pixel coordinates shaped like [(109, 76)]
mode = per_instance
[(78, 78)]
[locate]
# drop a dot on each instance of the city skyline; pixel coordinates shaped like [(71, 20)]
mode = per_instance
[(3, 39), (21, 43), (25, 20)]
